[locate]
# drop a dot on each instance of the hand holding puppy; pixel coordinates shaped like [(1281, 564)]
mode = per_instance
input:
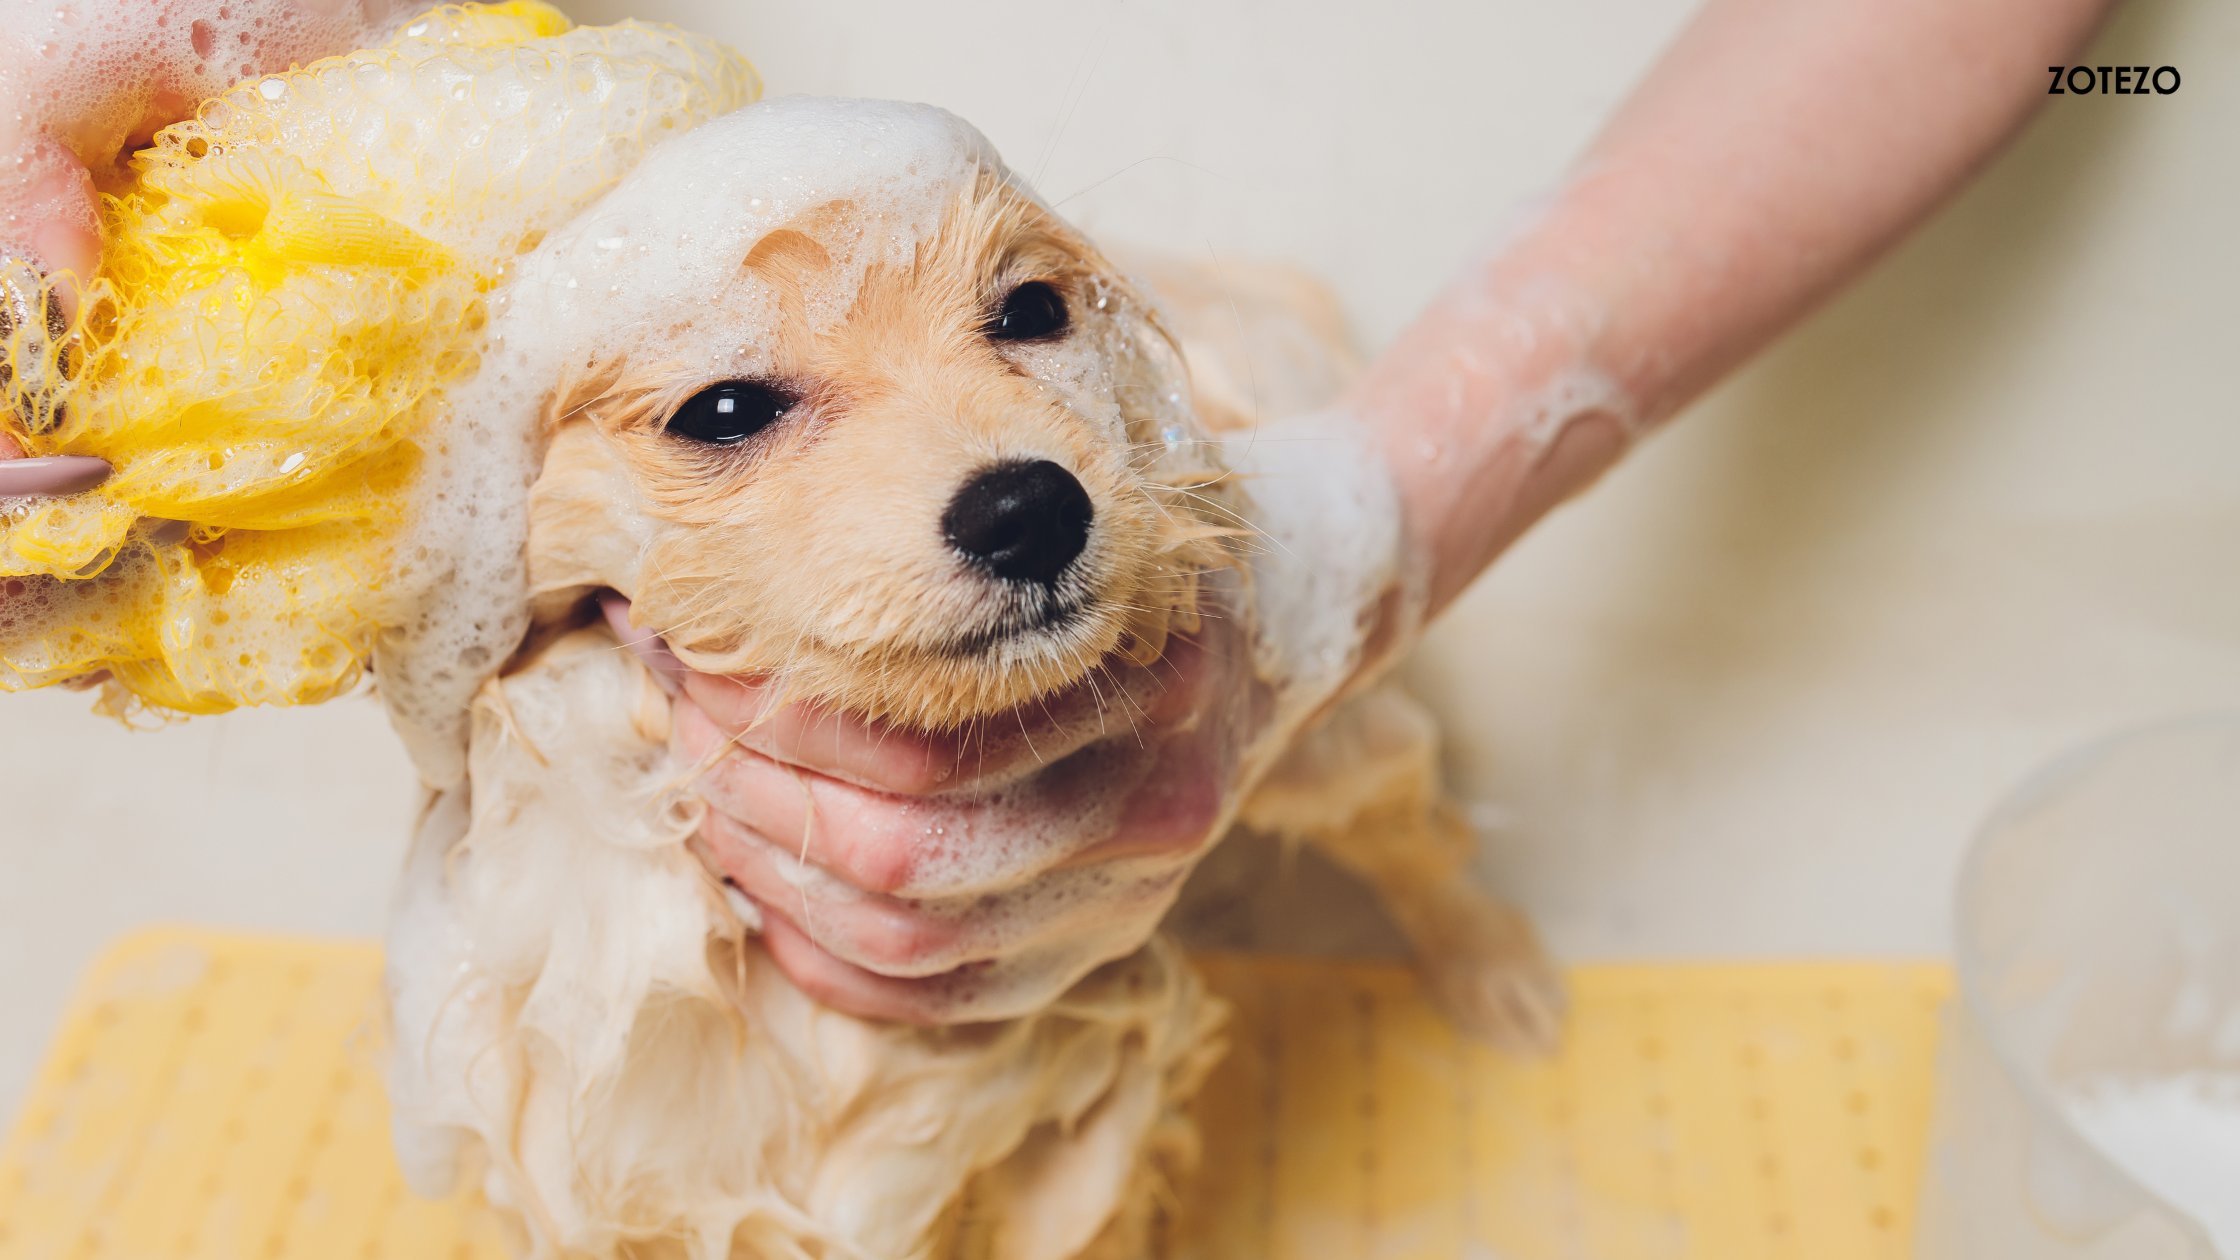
[(1690, 235), (974, 875), (969, 876)]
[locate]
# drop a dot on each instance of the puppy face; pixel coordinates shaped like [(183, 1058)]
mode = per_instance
[(937, 482)]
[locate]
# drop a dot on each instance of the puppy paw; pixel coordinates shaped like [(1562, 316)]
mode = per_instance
[(1513, 1003), (1481, 962)]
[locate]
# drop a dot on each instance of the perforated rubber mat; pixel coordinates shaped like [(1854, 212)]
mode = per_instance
[(214, 1096)]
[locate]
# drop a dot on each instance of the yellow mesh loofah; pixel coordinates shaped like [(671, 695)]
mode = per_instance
[(285, 290)]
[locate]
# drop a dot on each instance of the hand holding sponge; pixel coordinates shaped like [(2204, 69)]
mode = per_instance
[(287, 287)]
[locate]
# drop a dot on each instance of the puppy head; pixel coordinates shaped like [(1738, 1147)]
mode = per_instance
[(904, 440)]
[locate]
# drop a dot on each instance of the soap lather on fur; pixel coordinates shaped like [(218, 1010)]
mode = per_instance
[(777, 484)]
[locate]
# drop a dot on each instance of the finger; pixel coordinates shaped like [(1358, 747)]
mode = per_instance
[(1072, 911), (1100, 802), (1160, 793), (1174, 804), (848, 988), (874, 754), (888, 934), (1174, 810), (55, 217), (865, 839), (988, 989), (645, 644), (1112, 702)]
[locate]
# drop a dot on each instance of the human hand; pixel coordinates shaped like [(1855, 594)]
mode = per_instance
[(965, 876), (959, 877)]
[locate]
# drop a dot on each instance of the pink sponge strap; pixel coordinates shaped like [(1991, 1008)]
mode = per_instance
[(51, 475)]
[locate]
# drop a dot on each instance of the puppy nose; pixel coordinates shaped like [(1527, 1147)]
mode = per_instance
[(1024, 522)]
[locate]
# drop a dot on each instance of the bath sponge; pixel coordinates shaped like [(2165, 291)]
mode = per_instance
[(287, 286)]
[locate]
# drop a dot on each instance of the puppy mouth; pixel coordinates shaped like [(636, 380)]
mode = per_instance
[(1051, 617)]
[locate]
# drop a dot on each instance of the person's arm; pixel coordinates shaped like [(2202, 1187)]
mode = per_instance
[(1772, 154)]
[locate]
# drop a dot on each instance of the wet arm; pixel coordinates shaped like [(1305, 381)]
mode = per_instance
[(1774, 152)]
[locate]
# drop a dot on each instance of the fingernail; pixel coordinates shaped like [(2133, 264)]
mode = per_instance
[(51, 475)]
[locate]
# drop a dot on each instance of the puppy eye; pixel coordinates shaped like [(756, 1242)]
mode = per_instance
[(1035, 311), (730, 413)]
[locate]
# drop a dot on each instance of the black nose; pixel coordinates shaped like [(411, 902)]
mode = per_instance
[(1024, 522)]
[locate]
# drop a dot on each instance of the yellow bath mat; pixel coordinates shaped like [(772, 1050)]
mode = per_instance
[(214, 1096)]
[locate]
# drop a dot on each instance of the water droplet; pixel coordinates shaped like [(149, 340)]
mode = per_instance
[(272, 89)]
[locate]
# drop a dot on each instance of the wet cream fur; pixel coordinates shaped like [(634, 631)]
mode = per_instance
[(628, 1074)]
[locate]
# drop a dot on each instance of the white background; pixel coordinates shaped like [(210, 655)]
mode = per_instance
[(1748, 697)]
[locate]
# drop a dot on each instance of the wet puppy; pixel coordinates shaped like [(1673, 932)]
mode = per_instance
[(833, 399)]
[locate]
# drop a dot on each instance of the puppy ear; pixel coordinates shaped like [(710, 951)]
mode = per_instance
[(791, 259), (786, 258)]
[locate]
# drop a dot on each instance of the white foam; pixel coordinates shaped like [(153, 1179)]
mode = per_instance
[(642, 272), (1330, 522), (2179, 1135)]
